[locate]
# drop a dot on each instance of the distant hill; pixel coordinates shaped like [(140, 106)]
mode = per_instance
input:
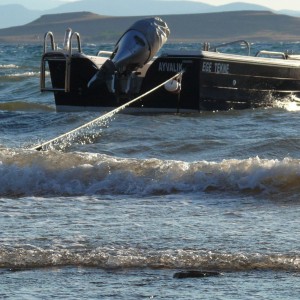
[(211, 27), (15, 15), (150, 7)]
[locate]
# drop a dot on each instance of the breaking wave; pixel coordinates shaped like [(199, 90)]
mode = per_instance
[(54, 173), (117, 258)]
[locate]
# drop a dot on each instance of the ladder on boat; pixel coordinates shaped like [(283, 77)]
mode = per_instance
[(55, 54)]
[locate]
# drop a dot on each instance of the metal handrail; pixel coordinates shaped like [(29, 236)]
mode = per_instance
[(78, 42), (271, 53), (68, 41), (104, 52), (53, 46), (215, 49), (206, 46)]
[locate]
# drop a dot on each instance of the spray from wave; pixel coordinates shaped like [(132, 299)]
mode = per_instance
[(290, 103)]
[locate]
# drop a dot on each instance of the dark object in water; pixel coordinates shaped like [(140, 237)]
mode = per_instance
[(195, 274)]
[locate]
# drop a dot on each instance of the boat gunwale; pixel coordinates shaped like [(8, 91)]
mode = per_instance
[(229, 57)]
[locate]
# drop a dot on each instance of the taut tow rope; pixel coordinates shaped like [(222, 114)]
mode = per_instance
[(107, 115)]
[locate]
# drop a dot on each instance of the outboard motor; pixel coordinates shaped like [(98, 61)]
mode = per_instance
[(135, 48)]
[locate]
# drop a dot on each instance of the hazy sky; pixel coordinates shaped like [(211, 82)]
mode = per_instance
[(36, 4), (273, 4)]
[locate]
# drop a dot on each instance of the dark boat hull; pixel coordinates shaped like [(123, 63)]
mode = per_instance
[(211, 81)]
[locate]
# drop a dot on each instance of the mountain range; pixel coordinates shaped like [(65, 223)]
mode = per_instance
[(123, 8), (206, 27)]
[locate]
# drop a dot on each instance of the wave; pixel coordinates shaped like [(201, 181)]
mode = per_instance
[(24, 74), (120, 258), (9, 66), (54, 173), (12, 76)]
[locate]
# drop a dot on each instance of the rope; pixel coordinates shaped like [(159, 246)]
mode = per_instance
[(109, 114)]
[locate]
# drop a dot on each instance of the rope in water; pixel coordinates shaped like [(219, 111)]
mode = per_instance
[(107, 115)]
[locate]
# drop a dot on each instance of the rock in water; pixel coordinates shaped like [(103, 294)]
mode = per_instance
[(195, 274)]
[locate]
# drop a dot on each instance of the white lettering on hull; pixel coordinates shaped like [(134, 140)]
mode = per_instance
[(215, 67), (169, 67)]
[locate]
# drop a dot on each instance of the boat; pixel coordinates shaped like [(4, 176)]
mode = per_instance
[(171, 81)]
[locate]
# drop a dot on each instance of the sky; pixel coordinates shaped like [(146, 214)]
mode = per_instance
[(37, 4), (273, 4)]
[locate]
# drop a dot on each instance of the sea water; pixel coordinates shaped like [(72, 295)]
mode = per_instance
[(115, 210)]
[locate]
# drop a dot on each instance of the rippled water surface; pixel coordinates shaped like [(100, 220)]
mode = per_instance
[(116, 209)]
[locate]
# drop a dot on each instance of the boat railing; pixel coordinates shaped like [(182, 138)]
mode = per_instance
[(104, 53), (206, 46), (271, 53), (78, 42), (49, 35), (216, 48), (64, 55)]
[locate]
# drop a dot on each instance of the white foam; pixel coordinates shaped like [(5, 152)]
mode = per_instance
[(120, 258), (25, 74), (9, 66), (290, 103)]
